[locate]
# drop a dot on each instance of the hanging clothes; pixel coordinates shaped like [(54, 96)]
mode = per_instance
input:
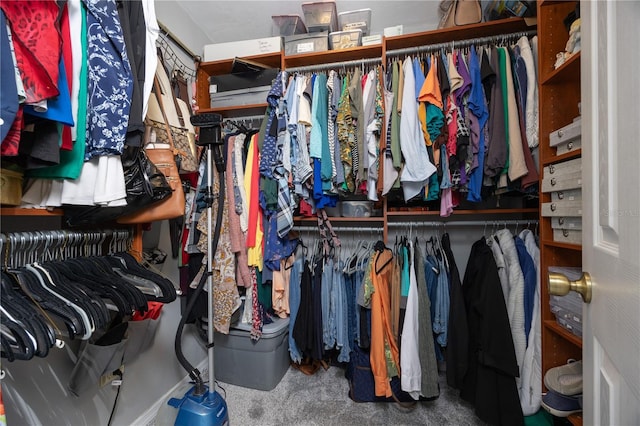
[(417, 167), (384, 351), (492, 366)]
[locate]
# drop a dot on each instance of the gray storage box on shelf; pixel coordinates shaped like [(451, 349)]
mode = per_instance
[(345, 39), (260, 364), (306, 43), (562, 176), (320, 16), (568, 308), (286, 25), (567, 138), (355, 20), (246, 96)]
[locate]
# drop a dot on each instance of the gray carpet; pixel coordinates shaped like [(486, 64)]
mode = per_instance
[(322, 399)]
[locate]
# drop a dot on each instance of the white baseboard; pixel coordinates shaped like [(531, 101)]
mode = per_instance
[(148, 418)]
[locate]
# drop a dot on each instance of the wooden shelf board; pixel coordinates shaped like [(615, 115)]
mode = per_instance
[(570, 70), (331, 56), (224, 66), (17, 211), (483, 29), (461, 212), (559, 244), (339, 219), (562, 332), (551, 2), (237, 111), (562, 157), (575, 419)]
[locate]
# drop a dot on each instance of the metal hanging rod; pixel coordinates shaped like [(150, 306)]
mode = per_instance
[(245, 118), (459, 43), (462, 223), (328, 66), (339, 228)]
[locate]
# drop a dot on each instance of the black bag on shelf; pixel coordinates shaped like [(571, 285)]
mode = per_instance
[(145, 183)]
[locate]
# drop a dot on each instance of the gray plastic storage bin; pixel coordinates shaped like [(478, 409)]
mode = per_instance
[(246, 96), (285, 25), (320, 16), (355, 20), (345, 39), (261, 364), (357, 208), (306, 43)]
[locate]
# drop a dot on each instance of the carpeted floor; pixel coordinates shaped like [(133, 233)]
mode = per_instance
[(322, 399)]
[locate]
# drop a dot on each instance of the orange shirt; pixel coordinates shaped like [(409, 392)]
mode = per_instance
[(382, 339)]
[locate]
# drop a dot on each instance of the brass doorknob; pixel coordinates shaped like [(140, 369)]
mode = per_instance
[(559, 285)]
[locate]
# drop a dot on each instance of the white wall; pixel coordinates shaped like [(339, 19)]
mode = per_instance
[(197, 23)]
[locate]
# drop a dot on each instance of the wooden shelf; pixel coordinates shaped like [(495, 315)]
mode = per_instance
[(238, 110), (366, 221), (414, 213), (575, 419), (562, 332), (331, 56), (569, 71), (483, 29), (559, 244), (224, 66), (562, 157), (17, 211)]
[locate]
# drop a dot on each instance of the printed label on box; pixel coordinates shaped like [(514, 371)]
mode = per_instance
[(305, 47), (354, 25)]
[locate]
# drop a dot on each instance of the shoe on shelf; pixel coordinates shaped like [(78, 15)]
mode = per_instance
[(565, 379), (561, 405)]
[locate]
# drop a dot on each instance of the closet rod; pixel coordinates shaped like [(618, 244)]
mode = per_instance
[(330, 65), (463, 223), (245, 118), (339, 228), (459, 43)]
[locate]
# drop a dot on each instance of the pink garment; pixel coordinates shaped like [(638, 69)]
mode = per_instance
[(280, 287), (238, 247), (446, 203)]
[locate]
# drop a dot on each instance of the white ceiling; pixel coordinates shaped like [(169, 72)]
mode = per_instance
[(200, 22)]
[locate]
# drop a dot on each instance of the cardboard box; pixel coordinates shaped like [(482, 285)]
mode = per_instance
[(259, 46)]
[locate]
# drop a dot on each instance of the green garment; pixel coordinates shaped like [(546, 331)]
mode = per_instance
[(71, 162), (502, 62)]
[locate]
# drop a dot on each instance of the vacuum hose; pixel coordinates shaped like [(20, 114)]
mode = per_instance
[(194, 373)]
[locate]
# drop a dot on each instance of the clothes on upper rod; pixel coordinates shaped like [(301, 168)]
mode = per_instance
[(74, 119)]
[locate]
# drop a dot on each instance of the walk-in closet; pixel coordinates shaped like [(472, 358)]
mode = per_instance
[(323, 213)]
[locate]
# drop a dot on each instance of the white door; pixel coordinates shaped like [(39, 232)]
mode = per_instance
[(611, 231)]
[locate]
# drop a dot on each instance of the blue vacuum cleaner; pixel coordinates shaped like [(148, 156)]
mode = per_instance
[(202, 405)]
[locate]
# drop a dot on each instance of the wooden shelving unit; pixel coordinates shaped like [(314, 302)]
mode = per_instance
[(282, 61), (559, 97), (17, 211)]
